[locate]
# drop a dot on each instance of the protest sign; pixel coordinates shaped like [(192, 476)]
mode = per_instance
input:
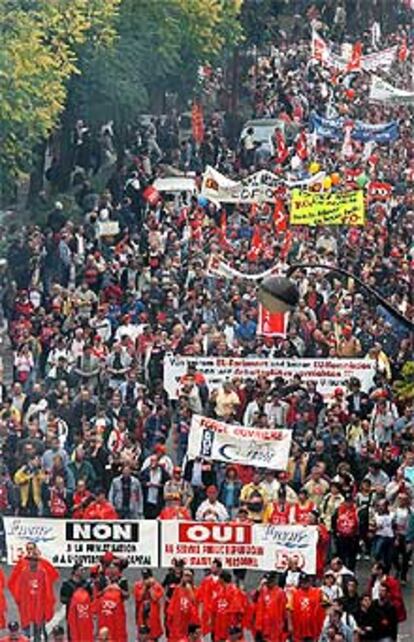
[(271, 324), (234, 444), (260, 187), (384, 92), (221, 269), (108, 228), (248, 546), (328, 374), (66, 542), (323, 52), (327, 208), (334, 129)]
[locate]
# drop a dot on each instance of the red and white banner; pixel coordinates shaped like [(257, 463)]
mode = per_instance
[(271, 324), (233, 444), (248, 546), (323, 53)]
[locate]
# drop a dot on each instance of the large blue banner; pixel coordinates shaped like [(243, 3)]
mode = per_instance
[(333, 128)]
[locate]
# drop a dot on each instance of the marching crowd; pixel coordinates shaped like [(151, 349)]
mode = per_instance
[(87, 430)]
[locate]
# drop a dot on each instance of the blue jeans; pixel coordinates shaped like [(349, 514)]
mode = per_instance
[(382, 550)]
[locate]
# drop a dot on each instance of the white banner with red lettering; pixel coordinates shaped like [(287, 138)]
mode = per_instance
[(65, 542), (249, 546), (234, 444), (322, 52), (328, 374)]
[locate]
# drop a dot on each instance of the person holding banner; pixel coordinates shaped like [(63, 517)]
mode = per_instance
[(305, 611), (110, 607)]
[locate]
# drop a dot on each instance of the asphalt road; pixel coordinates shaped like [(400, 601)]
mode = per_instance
[(406, 629)]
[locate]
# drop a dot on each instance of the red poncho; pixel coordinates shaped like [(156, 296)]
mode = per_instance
[(227, 610), (270, 614), (33, 591), (206, 594), (80, 620), (100, 510), (3, 604), (111, 613), (153, 597), (307, 613), (182, 611)]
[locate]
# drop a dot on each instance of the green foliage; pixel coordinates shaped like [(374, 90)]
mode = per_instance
[(404, 387), (40, 41), (159, 48)]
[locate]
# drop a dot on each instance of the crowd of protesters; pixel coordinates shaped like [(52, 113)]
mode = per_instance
[(87, 430)]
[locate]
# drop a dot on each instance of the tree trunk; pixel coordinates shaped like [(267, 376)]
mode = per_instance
[(37, 174)]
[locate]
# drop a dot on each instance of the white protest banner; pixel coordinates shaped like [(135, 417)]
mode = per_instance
[(328, 374), (218, 267), (323, 52), (248, 546), (233, 444), (65, 542), (382, 91), (259, 187), (108, 228)]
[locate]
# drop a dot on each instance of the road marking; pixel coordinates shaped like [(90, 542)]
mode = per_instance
[(58, 617)]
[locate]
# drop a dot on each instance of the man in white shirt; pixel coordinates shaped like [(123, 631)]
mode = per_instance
[(211, 510)]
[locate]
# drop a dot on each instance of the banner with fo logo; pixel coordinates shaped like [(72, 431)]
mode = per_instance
[(238, 545), (233, 444), (66, 542)]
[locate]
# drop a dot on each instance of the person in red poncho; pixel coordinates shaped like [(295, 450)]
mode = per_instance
[(14, 634), (305, 612), (207, 592), (31, 584), (322, 545), (33, 594), (80, 616), (183, 608), (148, 595), (111, 614), (227, 608), (270, 611), (175, 510), (100, 508), (3, 603)]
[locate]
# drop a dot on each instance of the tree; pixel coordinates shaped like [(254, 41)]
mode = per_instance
[(159, 48), (40, 41), (404, 387)]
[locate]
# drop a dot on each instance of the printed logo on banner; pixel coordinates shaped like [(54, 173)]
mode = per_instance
[(207, 443), (215, 533), (102, 531)]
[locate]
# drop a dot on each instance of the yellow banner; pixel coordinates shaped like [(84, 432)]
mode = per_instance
[(327, 208)]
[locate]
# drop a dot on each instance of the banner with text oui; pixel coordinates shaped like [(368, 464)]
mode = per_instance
[(66, 542), (327, 374), (249, 546), (327, 208), (233, 444)]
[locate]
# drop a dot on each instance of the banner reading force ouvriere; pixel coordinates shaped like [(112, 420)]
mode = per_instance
[(326, 373), (66, 542), (233, 444), (249, 546)]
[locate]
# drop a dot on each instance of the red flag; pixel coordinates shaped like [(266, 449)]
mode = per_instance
[(279, 216), (80, 617), (301, 146), (151, 195), (403, 50), (197, 122), (271, 324), (286, 245), (320, 49), (3, 603), (355, 63), (256, 245), (282, 151)]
